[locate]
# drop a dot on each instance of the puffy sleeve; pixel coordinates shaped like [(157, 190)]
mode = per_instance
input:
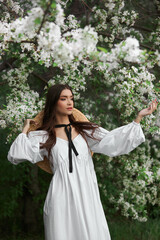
[(118, 141), (27, 148)]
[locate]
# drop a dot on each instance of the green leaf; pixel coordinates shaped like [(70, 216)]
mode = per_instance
[(41, 62), (103, 49), (123, 43), (156, 89), (148, 82), (153, 129), (20, 35), (150, 52), (143, 53), (37, 20), (55, 64), (53, 5)]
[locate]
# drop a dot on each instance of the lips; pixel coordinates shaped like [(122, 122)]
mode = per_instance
[(69, 108)]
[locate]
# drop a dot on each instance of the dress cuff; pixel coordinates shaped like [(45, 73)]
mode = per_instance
[(135, 123)]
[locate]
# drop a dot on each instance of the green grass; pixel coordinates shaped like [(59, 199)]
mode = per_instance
[(120, 229)]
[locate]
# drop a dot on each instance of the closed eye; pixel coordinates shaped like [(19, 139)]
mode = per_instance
[(65, 99)]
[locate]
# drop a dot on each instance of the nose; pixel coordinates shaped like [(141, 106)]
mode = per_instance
[(70, 102)]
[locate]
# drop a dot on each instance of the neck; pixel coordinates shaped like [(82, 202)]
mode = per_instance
[(62, 120)]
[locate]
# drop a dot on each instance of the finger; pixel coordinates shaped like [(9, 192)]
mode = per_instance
[(156, 102), (29, 121), (154, 106), (35, 123), (149, 106)]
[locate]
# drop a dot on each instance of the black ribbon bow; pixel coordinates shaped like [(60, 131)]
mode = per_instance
[(70, 143)]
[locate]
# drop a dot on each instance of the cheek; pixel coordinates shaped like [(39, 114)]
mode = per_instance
[(61, 104)]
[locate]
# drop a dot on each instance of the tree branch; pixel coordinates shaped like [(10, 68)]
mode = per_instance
[(143, 10), (45, 13), (23, 41), (87, 6), (119, 38), (3, 83), (142, 28), (7, 62), (41, 78), (9, 9)]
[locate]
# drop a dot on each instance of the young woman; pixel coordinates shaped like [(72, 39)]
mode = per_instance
[(73, 209)]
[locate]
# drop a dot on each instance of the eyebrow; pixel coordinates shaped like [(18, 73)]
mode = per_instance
[(65, 96)]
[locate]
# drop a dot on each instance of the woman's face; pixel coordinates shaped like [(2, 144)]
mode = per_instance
[(65, 102)]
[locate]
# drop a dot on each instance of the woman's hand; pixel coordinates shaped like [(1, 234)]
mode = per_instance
[(150, 109), (147, 111), (26, 125)]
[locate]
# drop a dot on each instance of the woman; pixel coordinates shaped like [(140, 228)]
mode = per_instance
[(73, 209)]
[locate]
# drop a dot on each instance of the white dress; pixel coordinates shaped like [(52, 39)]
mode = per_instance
[(72, 208)]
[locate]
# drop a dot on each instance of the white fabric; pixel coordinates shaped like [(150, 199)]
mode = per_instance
[(73, 208)]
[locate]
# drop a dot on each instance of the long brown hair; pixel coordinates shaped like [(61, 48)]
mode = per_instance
[(49, 118)]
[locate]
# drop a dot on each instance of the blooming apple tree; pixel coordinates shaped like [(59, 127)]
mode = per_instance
[(109, 53)]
